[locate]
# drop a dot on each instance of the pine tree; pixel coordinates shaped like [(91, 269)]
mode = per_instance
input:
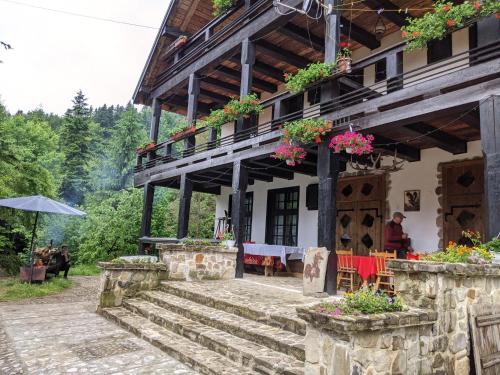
[(74, 142)]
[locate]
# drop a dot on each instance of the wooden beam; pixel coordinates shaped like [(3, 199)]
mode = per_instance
[(247, 79), (173, 31), (147, 212), (358, 34), (257, 83), (240, 184), (490, 142), (181, 102), (395, 17), (284, 174), (404, 151), (186, 191), (438, 138), (189, 14), (359, 88), (155, 119), (207, 188), (233, 89), (282, 54), (214, 97), (302, 36), (263, 68), (472, 119)]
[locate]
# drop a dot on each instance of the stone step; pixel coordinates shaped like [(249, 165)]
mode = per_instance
[(201, 359), (243, 352), (222, 302), (273, 337)]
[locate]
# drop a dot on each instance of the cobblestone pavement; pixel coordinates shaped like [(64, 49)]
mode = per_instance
[(63, 335)]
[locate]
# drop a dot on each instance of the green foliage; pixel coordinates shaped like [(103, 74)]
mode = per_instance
[(75, 138), (233, 110), (14, 290), (304, 78), (85, 270), (363, 301), (221, 6), (446, 18), (454, 253), (493, 245), (305, 131), (10, 263)]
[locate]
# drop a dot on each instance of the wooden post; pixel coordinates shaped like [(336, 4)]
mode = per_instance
[(490, 140), (186, 191), (277, 114), (240, 184), (147, 211), (155, 125), (247, 63), (328, 166), (212, 138), (394, 68), (192, 110)]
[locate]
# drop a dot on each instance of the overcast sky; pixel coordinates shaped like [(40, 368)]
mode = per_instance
[(55, 54)]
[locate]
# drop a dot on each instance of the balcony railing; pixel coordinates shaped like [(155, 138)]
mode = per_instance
[(344, 108)]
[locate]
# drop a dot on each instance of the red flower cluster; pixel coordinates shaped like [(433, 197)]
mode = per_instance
[(291, 154), (344, 44), (352, 143), (446, 8), (450, 23)]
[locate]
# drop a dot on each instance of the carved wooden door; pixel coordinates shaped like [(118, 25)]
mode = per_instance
[(360, 208), (463, 192)]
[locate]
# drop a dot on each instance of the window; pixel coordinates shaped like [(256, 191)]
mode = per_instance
[(439, 49), (380, 70), (282, 216), (314, 96), (248, 214), (293, 106)]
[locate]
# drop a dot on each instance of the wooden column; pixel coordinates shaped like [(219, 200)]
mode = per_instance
[(212, 138), (277, 113), (192, 109), (247, 63), (186, 191), (240, 184), (394, 69), (490, 140), (147, 211), (155, 120), (329, 163)]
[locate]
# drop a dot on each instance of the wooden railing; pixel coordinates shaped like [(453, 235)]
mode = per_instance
[(345, 108)]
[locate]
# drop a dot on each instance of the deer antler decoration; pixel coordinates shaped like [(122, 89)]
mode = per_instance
[(375, 165)]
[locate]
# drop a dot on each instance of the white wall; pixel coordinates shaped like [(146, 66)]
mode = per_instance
[(421, 175)]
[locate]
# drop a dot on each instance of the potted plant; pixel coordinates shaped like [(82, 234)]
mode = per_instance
[(344, 60), (221, 6), (352, 143), (228, 239), (180, 41), (494, 247), (150, 146), (291, 154), (183, 133), (314, 72)]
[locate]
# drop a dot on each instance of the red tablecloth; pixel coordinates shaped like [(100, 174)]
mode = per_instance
[(366, 266)]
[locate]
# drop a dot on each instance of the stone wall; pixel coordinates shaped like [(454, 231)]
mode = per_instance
[(447, 289), (125, 280), (198, 262), (391, 343)]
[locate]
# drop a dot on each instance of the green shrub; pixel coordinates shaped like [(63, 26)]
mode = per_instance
[(314, 72), (10, 263), (13, 290), (85, 270)]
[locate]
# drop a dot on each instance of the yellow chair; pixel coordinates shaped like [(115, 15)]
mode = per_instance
[(345, 268), (385, 277)]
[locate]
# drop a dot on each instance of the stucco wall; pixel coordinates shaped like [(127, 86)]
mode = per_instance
[(420, 175)]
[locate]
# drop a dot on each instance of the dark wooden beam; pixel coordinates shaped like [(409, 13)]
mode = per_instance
[(192, 107), (472, 119), (181, 102), (273, 172), (257, 83), (186, 191), (358, 34), (395, 17), (404, 151), (282, 54), (173, 32), (240, 184), (233, 89), (303, 36), (281, 166), (155, 119), (490, 142), (147, 212), (362, 91), (247, 79), (436, 137), (213, 189), (214, 97), (263, 68)]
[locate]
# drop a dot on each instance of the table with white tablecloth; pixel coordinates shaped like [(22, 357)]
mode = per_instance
[(274, 251)]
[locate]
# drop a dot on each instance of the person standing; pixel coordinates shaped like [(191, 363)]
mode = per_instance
[(65, 264), (395, 238)]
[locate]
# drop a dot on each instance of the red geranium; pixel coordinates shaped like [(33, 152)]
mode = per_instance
[(446, 8), (450, 23)]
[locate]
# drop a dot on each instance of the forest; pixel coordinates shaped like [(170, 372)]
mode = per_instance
[(85, 159)]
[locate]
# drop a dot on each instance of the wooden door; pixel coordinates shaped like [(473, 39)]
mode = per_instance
[(485, 326), (463, 192), (360, 207)]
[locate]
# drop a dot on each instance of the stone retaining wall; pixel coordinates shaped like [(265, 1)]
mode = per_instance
[(125, 280), (449, 290), (198, 262)]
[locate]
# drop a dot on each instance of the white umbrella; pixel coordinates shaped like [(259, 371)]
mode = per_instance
[(38, 203)]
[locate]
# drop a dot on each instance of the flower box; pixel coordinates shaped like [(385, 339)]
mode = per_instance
[(180, 41), (344, 64), (183, 133)]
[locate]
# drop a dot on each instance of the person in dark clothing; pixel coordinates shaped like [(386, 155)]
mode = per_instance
[(65, 264), (395, 238)]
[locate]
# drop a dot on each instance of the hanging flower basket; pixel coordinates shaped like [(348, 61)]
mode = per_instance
[(344, 59), (305, 131), (182, 40), (352, 143), (183, 133), (291, 154)]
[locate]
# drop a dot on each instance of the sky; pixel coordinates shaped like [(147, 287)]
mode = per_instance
[(54, 55)]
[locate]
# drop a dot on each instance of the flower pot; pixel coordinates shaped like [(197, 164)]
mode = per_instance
[(496, 258), (150, 146), (180, 42), (38, 273), (140, 150), (349, 150), (291, 163), (183, 133), (229, 243), (344, 64)]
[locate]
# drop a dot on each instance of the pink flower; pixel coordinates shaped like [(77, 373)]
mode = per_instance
[(337, 312)]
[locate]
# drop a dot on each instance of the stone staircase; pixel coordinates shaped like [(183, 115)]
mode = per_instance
[(214, 335)]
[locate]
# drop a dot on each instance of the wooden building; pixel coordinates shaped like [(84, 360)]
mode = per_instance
[(436, 108)]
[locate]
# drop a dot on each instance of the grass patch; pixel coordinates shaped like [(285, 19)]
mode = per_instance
[(14, 290), (84, 270)]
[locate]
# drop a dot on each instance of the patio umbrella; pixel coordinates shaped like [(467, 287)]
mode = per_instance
[(39, 203)]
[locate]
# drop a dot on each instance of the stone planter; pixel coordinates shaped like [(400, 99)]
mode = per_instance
[(198, 262), (390, 343), (448, 289), (125, 280)]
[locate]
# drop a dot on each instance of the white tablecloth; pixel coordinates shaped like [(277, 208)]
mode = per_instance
[(274, 251)]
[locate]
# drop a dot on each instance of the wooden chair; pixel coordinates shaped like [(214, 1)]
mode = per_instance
[(385, 277), (345, 268)]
